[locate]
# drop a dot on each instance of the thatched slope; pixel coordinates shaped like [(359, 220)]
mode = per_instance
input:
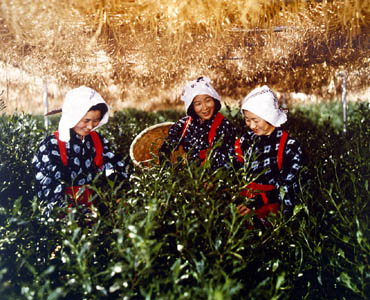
[(140, 53)]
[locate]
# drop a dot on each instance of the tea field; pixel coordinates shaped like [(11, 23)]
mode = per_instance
[(168, 235)]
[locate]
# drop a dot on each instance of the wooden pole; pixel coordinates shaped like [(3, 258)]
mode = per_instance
[(46, 106), (344, 99), (2, 102)]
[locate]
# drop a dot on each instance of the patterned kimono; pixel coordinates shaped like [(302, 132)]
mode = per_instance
[(196, 139), (263, 154), (52, 177)]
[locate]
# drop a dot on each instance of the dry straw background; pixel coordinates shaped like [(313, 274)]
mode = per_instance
[(140, 53)]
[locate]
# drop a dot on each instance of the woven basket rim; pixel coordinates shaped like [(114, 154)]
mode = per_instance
[(146, 130)]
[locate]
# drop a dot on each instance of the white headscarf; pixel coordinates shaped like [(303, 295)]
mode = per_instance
[(200, 86), (76, 104), (263, 103)]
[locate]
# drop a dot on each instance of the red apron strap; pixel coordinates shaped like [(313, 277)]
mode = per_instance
[(281, 149), (238, 151), (97, 144), (62, 149), (185, 128), (260, 187), (264, 198), (263, 211), (83, 198), (212, 133), (253, 189), (98, 149)]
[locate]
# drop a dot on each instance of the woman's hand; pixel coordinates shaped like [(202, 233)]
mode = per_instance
[(243, 210)]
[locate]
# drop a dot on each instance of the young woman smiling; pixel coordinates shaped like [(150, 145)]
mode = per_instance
[(202, 127), (67, 161), (275, 158)]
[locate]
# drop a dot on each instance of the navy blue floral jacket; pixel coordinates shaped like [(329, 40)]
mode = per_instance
[(261, 153), (52, 176), (196, 140)]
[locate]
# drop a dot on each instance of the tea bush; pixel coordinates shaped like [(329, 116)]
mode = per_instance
[(19, 136), (175, 234)]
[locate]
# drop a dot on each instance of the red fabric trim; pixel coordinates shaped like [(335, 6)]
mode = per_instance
[(264, 198), (211, 135), (238, 151), (203, 155), (263, 211), (281, 149), (260, 187), (185, 128), (84, 198), (247, 193), (62, 149), (257, 188), (98, 149), (97, 144), (253, 189)]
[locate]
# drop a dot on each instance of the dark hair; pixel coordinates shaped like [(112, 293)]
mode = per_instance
[(193, 114), (102, 107)]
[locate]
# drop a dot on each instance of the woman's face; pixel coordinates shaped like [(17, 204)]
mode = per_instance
[(87, 123), (204, 106), (257, 124)]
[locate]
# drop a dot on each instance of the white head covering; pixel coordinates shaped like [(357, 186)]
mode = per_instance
[(200, 86), (263, 103), (76, 104)]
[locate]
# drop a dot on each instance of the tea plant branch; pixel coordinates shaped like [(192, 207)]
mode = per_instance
[(297, 209), (329, 192), (233, 228), (46, 106)]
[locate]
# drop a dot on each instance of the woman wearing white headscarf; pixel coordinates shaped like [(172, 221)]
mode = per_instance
[(276, 159), (204, 125), (67, 161)]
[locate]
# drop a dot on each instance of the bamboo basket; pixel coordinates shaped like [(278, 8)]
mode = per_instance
[(144, 148)]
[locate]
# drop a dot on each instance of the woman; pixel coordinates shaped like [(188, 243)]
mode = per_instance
[(275, 158), (67, 161), (202, 128)]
